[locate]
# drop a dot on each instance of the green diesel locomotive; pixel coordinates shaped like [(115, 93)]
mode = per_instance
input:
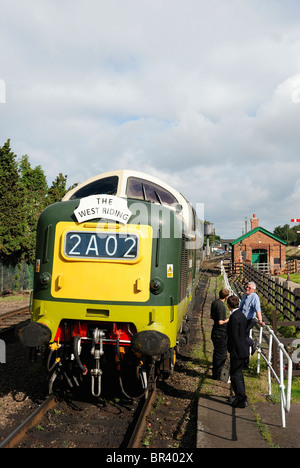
[(117, 264)]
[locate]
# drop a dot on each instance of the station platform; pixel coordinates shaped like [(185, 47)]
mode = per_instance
[(259, 425), (221, 426)]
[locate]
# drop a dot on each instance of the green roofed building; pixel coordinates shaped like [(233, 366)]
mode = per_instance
[(260, 248)]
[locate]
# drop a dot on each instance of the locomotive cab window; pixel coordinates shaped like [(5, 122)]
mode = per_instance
[(106, 186), (141, 189)]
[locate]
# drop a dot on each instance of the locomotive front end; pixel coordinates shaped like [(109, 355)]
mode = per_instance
[(92, 294), (113, 284)]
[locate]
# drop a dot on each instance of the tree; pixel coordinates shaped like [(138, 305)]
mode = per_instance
[(24, 193), (57, 190), (12, 216), (35, 189), (288, 234), (294, 237), (282, 232)]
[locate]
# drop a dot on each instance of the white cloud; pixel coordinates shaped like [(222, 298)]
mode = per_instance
[(203, 94)]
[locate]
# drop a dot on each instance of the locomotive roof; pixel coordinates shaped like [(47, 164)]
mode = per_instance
[(123, 176)]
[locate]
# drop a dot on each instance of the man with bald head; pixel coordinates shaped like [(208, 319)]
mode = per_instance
[(250, 306)]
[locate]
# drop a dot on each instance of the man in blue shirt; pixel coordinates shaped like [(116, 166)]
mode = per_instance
[(250, 306)]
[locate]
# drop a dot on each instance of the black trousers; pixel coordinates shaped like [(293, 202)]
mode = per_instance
[(250, 325), (219, 340), (237, 377)]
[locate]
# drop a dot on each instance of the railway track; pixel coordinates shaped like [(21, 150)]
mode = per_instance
[(9, 320), (19, 432), (106, 424), (25, 435)]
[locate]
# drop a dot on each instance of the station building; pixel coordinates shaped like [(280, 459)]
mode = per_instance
[(260, 248)]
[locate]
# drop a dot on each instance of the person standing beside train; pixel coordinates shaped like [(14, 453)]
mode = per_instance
[(219, 333), (250, 306), (238, 347)]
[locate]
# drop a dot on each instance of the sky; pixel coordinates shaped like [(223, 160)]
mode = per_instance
[(204, 94)]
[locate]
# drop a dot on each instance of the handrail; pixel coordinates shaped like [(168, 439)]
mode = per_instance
[(285, 397), (226, 281)]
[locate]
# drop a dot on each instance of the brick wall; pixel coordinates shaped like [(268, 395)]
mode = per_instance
[(259, 240)]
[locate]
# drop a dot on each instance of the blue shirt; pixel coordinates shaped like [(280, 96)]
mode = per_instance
[(249, 305)]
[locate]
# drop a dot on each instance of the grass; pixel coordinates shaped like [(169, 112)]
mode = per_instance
[(264, 429), (292, 252), (295, 277), (257, 385), (296, 390), (13, 298)]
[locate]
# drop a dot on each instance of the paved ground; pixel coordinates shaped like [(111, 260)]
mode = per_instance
[(288, 437), (221, 426)]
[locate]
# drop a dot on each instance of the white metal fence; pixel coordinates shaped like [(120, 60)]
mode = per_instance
[(285, 362), (226, 281)]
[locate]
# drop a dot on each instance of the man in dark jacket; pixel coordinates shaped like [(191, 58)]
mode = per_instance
[(238, 347), (219, 333)]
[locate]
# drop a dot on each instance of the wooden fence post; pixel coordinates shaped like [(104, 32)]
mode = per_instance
[(297, 303), (285, 296), (277, 294)]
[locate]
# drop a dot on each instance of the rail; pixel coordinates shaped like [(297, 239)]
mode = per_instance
[(131, 440), (285, 391), (226, 280), (141, 421), (9, 320), (19, 432)]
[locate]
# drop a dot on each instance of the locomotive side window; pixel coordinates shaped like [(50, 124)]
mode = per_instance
[(106, 186), (141, 189)]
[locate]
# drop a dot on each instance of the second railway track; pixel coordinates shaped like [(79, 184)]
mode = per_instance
[(81, 424), (109, 422), (8, 320)]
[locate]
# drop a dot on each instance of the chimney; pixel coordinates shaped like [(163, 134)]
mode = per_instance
[(254, 222)]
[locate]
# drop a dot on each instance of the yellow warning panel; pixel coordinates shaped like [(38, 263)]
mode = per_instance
[(170, 271)]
